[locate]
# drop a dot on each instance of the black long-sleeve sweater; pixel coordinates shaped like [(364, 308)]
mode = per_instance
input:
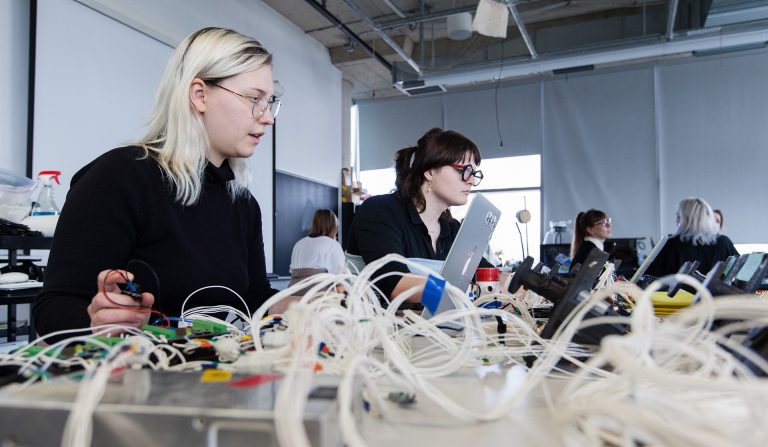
[(121, 213), (384, 224)]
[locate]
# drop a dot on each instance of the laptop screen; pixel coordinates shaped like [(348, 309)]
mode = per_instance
[(468, 247), (649, 259)]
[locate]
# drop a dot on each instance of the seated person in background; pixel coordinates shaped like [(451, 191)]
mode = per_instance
[(719, 218), (319, 252), (176, 204), (415, 221), (697, 239), (590, 230)]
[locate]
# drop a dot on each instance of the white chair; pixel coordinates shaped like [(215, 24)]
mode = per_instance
[(354, 263)]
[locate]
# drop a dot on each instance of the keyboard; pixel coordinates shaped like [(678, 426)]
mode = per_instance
[(8, 228)]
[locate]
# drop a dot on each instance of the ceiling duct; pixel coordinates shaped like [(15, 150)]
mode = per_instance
[(684, 43), (415, 88), (727, 12)]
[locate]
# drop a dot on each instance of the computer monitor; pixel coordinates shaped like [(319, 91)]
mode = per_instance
[(552, 254), (625, 250)]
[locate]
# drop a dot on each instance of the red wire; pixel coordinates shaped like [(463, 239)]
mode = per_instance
[(138, 308)]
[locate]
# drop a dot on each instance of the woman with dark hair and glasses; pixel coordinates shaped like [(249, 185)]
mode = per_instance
[(415, 221), (173, 208), (591, 229)]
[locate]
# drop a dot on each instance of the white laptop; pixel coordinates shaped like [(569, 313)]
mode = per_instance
[(649, 259), (466, 252)]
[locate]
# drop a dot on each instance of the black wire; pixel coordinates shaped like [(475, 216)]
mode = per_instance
[(522, 247), (106, 295), (496, 95), (151, 270)]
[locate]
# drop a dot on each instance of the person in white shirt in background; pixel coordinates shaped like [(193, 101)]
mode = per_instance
[(319, 252)]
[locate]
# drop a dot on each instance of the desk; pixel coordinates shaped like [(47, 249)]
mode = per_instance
[(12, 298), (426, 424), (15, 243)]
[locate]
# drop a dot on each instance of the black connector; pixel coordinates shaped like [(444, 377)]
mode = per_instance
[(131, 289), (402, 398)]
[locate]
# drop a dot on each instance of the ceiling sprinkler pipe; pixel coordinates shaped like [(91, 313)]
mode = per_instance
[(389, 41), (521, 27)]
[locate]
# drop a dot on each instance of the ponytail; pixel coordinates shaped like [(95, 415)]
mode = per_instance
[(403, 163), (583, 221), (578, 233)]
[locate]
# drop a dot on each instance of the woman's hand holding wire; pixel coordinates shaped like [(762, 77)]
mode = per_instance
[(110, 306)]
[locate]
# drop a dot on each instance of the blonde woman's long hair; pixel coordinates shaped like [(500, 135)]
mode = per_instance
[(696, 222), (176, 136)]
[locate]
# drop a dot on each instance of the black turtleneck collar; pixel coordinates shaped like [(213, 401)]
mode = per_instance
[(221, 174)]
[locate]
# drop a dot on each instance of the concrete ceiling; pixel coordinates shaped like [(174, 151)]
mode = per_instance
[(418, 28)]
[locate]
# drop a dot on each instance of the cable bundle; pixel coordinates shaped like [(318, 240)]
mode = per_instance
[(677, 381)]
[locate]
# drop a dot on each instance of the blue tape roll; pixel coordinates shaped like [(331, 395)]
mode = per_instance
[(433, 293)]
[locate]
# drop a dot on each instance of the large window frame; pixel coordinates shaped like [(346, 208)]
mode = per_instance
[(509, 190)]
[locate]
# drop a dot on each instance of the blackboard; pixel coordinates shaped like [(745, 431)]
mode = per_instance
[(296, 200)]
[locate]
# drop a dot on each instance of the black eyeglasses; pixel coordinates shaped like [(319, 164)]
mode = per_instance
[(468, 171), (271, 103), (605, 223)]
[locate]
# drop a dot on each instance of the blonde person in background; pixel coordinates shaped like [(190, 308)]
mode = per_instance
[(697, 238)]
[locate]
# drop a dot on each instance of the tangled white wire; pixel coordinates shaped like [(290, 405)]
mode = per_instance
[(624, 394)]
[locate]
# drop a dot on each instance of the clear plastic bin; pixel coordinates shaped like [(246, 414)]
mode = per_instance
[(16, 194)]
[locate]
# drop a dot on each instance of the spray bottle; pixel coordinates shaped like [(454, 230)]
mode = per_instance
[(45, 205)]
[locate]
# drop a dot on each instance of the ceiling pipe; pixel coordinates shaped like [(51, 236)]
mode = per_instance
[(523, 31), (671, 16), (394, 8), (421, 34), (425, 17), (351, 34), (654, 48), (389, 41), (404, 21)]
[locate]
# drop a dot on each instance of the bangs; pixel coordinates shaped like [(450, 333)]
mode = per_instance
[(451, 147)]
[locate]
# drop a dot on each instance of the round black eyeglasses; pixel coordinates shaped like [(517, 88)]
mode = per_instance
[(468, 171)]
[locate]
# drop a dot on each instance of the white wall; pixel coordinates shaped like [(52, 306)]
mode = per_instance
[(91, 94), (14, 74), (309, 127)]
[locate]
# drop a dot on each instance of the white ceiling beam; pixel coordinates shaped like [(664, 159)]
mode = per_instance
[(692, 42)]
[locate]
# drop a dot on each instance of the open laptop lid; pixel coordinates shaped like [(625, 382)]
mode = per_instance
[(649, 259), (467, 249)]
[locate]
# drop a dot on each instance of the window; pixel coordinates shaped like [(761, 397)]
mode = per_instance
[(378, 181), (510, 183)]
